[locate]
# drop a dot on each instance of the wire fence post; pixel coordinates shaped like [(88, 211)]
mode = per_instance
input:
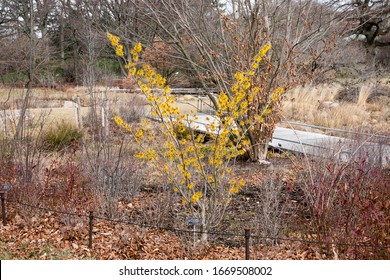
[(247, 239), (3, 213), (90, 229)]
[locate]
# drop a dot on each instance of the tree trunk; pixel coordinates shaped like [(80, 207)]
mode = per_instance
[(259, 148), (62, 38), (258, 151), (370, 57)]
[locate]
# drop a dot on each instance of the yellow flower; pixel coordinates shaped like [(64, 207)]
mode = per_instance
[(129, 65), (264, 50), (196, 196), (151, 98), (119, 50), (132, 71), (235, 87), (259, 119), (127, 127), (113, 39), (234, 189), (139, 134), (144, 88), (118, 120), (236, 186), (223, 101), (246, 85), (149, 154), (140, 155), (239, 76), (267, 112), (137, 48), (278, 91), (122, 124), (140, 72)]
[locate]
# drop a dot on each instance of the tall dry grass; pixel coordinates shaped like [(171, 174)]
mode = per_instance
[(318, 105)]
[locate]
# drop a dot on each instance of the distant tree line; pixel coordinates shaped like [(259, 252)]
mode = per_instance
[(201, 42)]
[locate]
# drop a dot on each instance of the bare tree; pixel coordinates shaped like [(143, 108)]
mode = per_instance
[(26, 24), (368, 22), (32, 22), (219, 38)]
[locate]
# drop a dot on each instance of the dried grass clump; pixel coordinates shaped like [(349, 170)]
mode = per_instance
[(331, 105)]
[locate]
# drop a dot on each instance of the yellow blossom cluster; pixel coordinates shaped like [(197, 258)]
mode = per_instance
[(193, 168), (241, 107), (115, 43), (196, 196), (113, 39), (119, 121), (235, 186), (149, 154)]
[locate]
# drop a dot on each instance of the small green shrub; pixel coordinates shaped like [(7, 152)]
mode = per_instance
[(60, 137)]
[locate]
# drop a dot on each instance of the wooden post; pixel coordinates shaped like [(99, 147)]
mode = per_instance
[(76, 116), (105, 123), (90, 229), (79, 117), (200, 104), (3, 213), (247, 240)]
